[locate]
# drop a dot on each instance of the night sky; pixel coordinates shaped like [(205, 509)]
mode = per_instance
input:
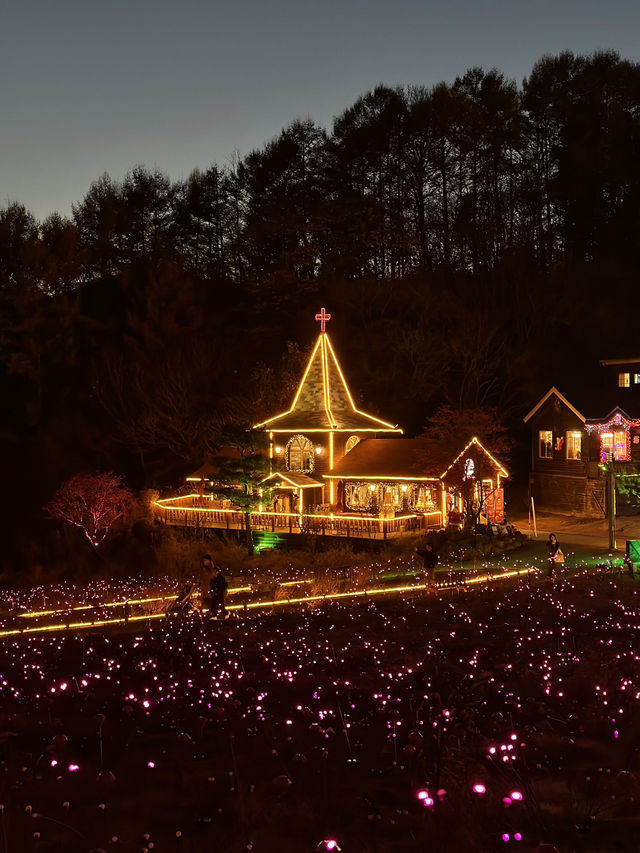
[(90, 87)]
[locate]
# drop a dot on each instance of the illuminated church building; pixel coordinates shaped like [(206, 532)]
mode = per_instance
[(321, 427), (337, 470), (326, 452)]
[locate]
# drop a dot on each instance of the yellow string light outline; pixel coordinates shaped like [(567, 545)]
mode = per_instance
[(477, 441), (275, 603), (325, 349)]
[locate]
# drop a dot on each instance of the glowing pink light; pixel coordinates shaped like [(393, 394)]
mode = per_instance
[(422, 795), (151, 764), (505, 836), (479, 788), (516, 795), (330, 844), (517, 836), (73, 768)]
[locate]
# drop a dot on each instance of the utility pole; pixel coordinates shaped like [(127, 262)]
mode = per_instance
[(612, 506)]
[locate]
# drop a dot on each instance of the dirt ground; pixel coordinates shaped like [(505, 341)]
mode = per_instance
[(480, 720)]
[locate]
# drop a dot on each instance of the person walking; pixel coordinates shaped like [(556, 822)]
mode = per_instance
[(430, 560), (217, 593), (556, 556)]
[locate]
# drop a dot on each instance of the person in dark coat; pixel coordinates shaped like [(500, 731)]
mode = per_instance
[(556, 557), (430, 560), (217, 593)]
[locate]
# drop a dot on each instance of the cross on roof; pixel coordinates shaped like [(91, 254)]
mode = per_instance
[(323, 318)]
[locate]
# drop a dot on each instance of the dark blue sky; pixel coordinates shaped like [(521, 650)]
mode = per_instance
[(89, 87)]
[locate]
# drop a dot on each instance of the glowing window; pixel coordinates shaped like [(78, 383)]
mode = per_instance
[(615, 443), (636, 378), (300, 454), (392, 496), (422, 498), (351, 443), (469, 469), (358, 496), (574, 445), (624, 380), (545, 443)]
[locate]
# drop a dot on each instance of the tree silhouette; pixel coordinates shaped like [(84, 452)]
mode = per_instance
[(94, 503)]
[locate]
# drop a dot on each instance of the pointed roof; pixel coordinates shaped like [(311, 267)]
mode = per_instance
[(550, 392), (323, 400), (293, 480), (476, 441)]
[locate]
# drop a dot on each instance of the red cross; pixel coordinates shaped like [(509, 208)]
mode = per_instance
[(322, 318)]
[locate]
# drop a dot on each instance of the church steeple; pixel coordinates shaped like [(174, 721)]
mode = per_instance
[(323, 400)]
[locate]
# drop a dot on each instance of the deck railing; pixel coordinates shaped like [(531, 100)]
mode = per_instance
[(196, 511)]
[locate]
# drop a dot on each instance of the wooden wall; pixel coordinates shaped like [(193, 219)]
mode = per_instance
[(558, 483)]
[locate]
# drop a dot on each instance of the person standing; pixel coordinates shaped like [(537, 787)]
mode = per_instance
[(556, 557), (206, 569), (430, 560), (217, 593)]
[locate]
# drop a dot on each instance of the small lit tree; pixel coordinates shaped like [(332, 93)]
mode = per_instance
[(466, 477), (241, 465), (94, 503)]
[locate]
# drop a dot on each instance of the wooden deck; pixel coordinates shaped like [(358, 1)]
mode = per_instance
[(194, 511)]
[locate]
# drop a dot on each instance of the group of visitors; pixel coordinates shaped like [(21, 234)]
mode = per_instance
[(430, 558), (214, 590)]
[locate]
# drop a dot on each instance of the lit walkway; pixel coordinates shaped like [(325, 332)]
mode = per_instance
[(290, 593)]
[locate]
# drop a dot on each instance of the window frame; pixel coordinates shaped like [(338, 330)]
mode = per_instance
[(613, 445), (574, 432), (302, 446), (547, 444)]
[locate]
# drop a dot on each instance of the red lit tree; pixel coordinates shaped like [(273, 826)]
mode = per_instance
[(94, 503)]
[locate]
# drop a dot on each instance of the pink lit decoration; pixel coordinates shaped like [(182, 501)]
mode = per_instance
[(479, 788), (617, 420), (323, 318)]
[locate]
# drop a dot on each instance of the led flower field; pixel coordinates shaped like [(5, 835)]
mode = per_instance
[(498, 717)]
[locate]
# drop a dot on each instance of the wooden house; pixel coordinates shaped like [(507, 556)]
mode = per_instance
[(388, 477), (573, 436)]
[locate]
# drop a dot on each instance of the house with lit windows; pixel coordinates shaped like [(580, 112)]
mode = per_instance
[(338, 470), (573, 436)]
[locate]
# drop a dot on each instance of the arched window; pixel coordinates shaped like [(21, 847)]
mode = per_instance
[(351, 443), (300, 454)]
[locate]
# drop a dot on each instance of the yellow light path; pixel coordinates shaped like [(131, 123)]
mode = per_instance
[(33, 613), (253, 605)]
